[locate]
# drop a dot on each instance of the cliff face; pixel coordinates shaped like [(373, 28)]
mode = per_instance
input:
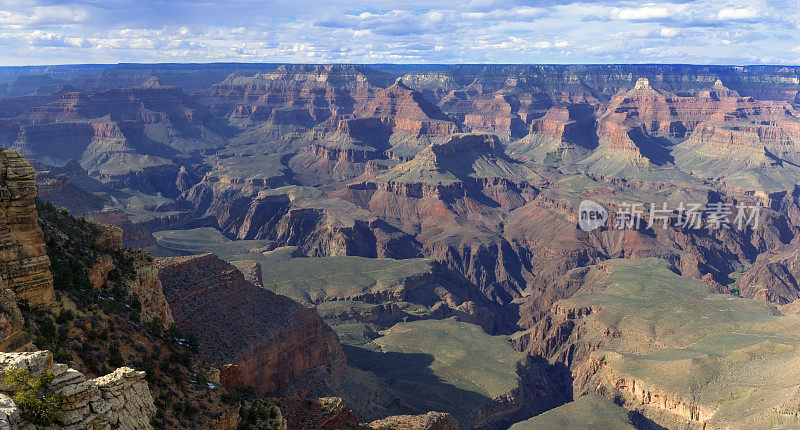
[(293, 95), (773, 278), (661, 345), (143, 282), (12, 325), (104, 316), (119, 400), (134, 236), (268, 340), (25, 266)]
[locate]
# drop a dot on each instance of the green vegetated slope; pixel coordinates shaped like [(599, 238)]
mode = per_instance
[(588, 412), (731, 361), (441, 365), (308, 280)]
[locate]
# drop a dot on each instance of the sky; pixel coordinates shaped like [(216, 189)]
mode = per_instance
[(38, 32)]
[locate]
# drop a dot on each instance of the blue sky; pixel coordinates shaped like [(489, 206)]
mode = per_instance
[(400, 31)]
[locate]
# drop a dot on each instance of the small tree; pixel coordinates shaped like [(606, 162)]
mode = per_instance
[(36, 400)]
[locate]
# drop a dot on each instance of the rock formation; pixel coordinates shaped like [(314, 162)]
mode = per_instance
[(665, 346), (429, 421), (134, 236), (266, 340), (144, 284), (773, 277), (325, 413), (119, 400), (25, 266)]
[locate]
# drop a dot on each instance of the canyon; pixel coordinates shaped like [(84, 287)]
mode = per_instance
[(363, 233)]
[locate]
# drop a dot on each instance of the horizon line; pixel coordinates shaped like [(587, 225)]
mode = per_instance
[(392, 64)]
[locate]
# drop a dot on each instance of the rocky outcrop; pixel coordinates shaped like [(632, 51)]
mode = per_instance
[(134, 236), (146, 286), (773, 278), (268, 340), (429, 421), (119, 400), (143, 283), (294, 95), (25, 269), (408, 111), (25, 266), (12, 325), (325, 413)]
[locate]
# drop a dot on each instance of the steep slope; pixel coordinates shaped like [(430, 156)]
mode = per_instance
[(631, 132), (395, 122), (589, 411), (773, 278), (563, 135), (672, 349), (293, 96), (264, 340), (125, 136), (753, 146)]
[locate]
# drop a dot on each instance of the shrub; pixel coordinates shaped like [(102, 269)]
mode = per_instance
[(172, 333), (115, 356), (47, 328), (155, 326), (62, 356), (36, 401)]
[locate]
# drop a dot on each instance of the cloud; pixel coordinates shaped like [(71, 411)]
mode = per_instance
[(43, 38), (415, 31), (647, 13), (393, 22), (669, 32), (523, 13), (734, 14), (43, 16)]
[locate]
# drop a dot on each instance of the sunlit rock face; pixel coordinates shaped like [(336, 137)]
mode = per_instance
[(25, 265)]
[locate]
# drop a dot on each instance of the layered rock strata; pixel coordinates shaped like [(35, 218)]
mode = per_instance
[(25, 266), (119, 400), (266, 340)]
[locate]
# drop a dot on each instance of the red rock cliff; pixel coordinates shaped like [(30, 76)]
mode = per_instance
[(270, 339)]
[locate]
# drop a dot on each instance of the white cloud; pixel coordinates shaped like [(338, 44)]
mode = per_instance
[(523, 13), (735, 14), (43, 16), (409, 31), (44, 38), (669, 32), (648, 12)]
